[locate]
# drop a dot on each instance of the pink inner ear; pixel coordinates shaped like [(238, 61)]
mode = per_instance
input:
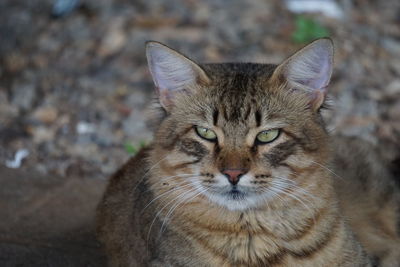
[(164, 80), (322, 75), (319, 82)]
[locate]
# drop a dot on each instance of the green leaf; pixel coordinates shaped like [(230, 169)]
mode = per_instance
[(307, 29), (134, 149), (130, 149)]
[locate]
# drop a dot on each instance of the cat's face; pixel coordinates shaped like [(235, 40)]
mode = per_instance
[(239, 136)]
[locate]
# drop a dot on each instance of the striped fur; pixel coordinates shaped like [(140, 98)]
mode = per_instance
[(171, 206)]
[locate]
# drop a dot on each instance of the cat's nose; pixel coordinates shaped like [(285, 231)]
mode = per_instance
[(234, 175)]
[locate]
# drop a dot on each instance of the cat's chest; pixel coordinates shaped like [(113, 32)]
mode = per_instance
[(243, 239), (244, 247)]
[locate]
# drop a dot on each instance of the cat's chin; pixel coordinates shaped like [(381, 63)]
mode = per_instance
[(236, 200)]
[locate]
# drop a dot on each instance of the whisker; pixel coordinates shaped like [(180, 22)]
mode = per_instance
[(188, 180), (287, 188), (293, 184), (148, 171), (166, 179), (170, 212), (173, 176), (326, 168), (170, 191), (268, 191), (295, 197), (159, 212)]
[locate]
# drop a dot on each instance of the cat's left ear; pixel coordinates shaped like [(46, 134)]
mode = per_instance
[(310, 69), (172, 72)]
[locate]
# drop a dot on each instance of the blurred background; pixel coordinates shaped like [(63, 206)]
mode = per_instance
[(74, 82)]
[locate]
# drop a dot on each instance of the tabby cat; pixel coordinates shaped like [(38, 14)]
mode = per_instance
[(242, 172)]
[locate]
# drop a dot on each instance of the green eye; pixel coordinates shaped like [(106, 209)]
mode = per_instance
[(205, 133), (267, 136)]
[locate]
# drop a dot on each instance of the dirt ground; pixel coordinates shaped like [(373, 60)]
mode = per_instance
[(73, 89), (48, 221)]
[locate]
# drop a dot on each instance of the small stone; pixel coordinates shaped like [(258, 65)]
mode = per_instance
[(391, 45), (42, 134), (135, 128), (394, 112), (7, 111), (104, 134), (393, 88), (45, 114), (84, 150), (114, 39), (17, 161), (85, 127), (136, 99), (15, 62), (395, 65), (23, 95)]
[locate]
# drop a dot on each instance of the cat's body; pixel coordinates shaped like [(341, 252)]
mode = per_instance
[(369, 198), (242, 173)]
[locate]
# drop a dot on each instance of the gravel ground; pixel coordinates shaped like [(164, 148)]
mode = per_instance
[(74, 89)]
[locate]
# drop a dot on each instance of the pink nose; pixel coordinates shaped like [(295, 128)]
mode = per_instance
[(234, 175)]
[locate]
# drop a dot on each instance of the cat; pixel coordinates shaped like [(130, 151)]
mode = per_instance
[(242, 172)]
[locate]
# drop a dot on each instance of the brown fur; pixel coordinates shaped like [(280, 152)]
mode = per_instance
[(144, 218)]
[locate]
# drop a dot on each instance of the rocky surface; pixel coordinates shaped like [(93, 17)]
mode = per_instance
[(73, 89)]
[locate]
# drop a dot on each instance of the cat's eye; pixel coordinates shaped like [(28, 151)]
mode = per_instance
[(267, 136), (205, 133)]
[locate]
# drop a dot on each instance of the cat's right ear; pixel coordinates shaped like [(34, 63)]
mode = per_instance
[(172, 72), (309, 69)]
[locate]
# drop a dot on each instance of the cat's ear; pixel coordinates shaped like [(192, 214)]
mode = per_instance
[(310, 69), (172, 72)]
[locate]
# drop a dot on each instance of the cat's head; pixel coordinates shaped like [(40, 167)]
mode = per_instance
[(239, 134)]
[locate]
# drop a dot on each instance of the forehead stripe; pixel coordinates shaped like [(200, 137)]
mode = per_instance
[(258, 118), (215, 117)]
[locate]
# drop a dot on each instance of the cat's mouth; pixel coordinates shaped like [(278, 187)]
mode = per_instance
[(236, 197), (235, 194)]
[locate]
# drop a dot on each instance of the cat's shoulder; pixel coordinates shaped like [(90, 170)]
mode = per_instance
[(129, 175), (353, 149), (359, 160)]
